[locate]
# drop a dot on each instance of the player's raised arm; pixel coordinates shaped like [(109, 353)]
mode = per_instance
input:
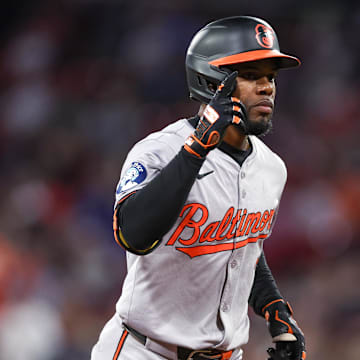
[(145, 216)]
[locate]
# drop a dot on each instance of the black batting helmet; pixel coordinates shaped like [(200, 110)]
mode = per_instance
[(229, 41)]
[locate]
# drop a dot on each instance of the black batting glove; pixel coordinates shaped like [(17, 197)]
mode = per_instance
[(222, 110), (285, 332)]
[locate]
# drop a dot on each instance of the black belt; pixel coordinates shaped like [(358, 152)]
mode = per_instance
[(185, 353)]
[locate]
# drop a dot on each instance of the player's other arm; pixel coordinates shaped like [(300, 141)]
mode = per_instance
[(266, 300)]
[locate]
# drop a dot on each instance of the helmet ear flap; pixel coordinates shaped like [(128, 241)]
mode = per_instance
[(206, 87), (204, 78)]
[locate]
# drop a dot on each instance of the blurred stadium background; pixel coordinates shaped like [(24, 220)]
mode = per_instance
[(83, 80)]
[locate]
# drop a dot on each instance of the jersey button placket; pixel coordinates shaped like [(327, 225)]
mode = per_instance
[(241, 184)]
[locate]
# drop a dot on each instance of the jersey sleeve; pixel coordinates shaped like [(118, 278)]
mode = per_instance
[(142, 164)]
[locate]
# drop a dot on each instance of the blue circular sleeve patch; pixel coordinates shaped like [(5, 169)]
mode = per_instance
[(134, 175)]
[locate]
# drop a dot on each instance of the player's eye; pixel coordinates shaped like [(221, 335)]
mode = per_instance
[(253, 75), (250, 75)]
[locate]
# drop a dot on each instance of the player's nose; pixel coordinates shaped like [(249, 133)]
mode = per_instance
[(265, 86)]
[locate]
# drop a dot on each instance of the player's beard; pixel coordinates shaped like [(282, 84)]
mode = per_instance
[(259, 128)]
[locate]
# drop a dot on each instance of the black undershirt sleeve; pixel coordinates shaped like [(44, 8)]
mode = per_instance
[(149, 213), (264, 289)]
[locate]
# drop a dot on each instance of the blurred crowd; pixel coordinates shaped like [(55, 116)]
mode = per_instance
[(82, 81)]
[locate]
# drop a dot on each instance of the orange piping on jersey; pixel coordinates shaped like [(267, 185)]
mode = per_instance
[(120, 344), (251, 56), (212, 249)]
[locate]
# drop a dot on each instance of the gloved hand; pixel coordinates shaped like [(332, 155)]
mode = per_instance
[(222, 110), (286, 334)]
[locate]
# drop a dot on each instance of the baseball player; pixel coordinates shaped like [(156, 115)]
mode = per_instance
[(194, 205)]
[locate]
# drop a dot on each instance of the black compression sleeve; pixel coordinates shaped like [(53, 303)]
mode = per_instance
[(264, 288), (150, 212)]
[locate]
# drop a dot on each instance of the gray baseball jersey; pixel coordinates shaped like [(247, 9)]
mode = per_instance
[(193, 289)]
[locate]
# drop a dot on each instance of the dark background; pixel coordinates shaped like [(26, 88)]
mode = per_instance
[(82, 81)]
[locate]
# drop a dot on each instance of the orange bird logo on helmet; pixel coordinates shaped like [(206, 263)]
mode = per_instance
[(264, 36)]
